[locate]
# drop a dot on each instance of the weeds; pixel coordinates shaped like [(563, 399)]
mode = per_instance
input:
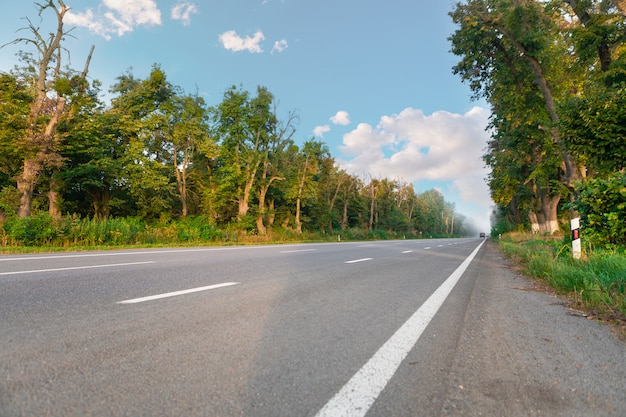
[(597, 283)]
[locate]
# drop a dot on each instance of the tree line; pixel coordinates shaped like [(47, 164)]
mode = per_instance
[(160, 154), (554, 74)]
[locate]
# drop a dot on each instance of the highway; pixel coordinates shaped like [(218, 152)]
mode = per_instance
[(335, 329)]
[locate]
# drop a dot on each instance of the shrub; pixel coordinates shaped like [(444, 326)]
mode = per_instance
[(602, 208), (38, 229)]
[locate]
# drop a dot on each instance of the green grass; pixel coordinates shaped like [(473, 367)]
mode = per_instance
[(597, 283), (41, 233)]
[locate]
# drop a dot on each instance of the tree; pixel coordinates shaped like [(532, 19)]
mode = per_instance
[(51, 86), (187, 132), (242, 126), (141, 111), (309, 165), (502, 42), (273, 165)]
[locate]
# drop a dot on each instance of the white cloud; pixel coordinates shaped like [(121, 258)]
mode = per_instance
[(341, 118), (183, 11), (320, 130), (412, 146), (280, 46), (233, 42), (87, 20), (116, 17)]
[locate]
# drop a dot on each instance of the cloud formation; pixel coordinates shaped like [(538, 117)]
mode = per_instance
[(341, 118), (232, 41), (183, 11), (319, 131), (412, 146), (280, 46), (116, 17)]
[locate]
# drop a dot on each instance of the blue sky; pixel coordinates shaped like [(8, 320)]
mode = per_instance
[(371, 78)]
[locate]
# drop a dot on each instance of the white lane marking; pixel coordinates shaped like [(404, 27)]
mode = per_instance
[(175, 293), (149, 252), (359, 260), (298, 250), (427, 247), (366, 246), (359, 394), (407, 251), (33, 271)]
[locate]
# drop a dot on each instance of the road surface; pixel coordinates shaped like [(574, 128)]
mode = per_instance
[(393, 328)]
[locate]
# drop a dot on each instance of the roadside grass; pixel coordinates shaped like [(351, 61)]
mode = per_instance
[(595, 284), (41, 233)]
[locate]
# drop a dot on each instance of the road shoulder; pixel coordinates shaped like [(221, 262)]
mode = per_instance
[(522, 352)]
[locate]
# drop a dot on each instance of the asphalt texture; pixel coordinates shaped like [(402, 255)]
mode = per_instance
[(296, 326)]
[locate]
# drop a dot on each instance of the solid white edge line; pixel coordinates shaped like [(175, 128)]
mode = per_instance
[(73, 267), (359, 260), (175, 293), (360, 392)]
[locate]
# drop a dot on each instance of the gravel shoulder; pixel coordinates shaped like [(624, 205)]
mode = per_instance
[(523, 353)]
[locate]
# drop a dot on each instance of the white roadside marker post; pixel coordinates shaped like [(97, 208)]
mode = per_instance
[(576, 249)]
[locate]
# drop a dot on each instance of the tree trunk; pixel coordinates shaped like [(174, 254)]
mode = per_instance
[(331, 204), (344, 217), (244, 200), (346, 202), (272, 212), (101, 206), (549, 206), (26, 184), (54, 199), (534, 222), (299, 199), (372, 204), (260, 226)]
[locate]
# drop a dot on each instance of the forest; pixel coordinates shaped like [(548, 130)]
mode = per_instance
[(554, 74), (156, 164)]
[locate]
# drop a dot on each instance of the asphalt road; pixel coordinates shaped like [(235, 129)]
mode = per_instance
[(376, 329)]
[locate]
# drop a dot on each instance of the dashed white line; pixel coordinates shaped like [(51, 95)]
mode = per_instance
[(407, 251), (358, 395), (359, 260), (34, 271), (299, 250), (175, 293)]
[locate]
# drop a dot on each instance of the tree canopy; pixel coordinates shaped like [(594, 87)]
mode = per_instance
[(554, 74), (157, 153)]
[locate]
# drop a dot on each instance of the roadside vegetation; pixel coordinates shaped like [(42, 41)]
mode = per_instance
[(155, 165), (595, 284), (42, 233)]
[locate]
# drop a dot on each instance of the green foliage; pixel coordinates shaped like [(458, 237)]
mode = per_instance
[(602, 206), (9, 201), (556, 90), (597, 283), (595, 128), (233, 170), (36, 230)]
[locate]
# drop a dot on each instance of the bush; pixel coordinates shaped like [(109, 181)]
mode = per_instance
[(602, 208), (39, 229)]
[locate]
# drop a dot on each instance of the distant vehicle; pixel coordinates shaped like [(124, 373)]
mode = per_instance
[(482, 234)]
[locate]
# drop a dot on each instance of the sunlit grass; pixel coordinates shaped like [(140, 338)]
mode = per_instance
[(597, 283)]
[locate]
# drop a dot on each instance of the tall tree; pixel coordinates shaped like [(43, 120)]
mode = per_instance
[(50, 87), (508, 40), (140, 108)]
